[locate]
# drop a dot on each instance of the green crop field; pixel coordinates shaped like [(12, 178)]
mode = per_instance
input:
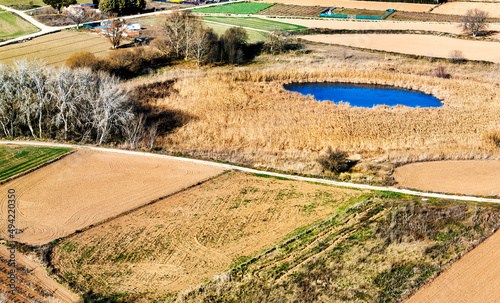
[(16, 159), (253, 36), (12, 26), (256, 23), (236, 8)]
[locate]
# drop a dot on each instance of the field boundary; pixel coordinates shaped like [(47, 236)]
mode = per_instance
[(37, 167), (268, 173)]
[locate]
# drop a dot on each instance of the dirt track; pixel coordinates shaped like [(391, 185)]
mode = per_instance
[(451, 28), (458, 177), (87, 187), (409, 7), (421, 45), (473, 279), (460, 8)]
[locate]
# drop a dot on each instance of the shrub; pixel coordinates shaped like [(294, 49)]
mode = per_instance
[(440, 72), (492, 137), (456, 56), (334, 160)]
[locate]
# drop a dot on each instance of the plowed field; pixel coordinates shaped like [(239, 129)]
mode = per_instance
[(87, 187), (473, 279), (408, 7), (293, 10), (460, 8), (458, 177), (186, 238)]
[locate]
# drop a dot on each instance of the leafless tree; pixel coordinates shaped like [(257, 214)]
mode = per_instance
[(203, 42), (134, 130), (173, 37), (113, 30), (67, 92), (81, 15), (23, 78), (474, 22)]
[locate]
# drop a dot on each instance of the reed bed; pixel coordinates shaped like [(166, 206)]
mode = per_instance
[(244, 114)]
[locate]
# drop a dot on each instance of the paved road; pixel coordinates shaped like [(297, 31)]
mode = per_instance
[(255, 171)]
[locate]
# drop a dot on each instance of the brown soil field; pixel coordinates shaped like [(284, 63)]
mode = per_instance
[(32, 282), (187, 238), (363, 25), (87, 187), (293, 10), (54, 48), (475, 278), (420, 45), (458, 177), (409, 7), (460, 8)]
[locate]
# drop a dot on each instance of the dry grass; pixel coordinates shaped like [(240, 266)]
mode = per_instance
[(244, 114)]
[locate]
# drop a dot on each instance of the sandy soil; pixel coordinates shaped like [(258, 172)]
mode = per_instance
[(195, 234), (409, 7), (421, 45), (363, 25), (473, 279), (87, 187), (459, 177), (460, 8), (33, 283)]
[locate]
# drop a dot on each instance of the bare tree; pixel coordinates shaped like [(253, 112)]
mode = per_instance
[(80, 15), (474, 22), (173, 36), (113, 30), (8, 114), (203, 43), (134, 130)]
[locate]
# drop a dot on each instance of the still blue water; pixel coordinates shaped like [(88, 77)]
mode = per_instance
[(364, 95)]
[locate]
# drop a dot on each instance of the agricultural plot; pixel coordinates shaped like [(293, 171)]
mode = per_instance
[(253, 36), (256, 23), (472, 279), (420, 45), (54, 48), (460, 8), (12, 26), (29, 3), (188, 238), (370, 5), (17, 159), (86, 187), (293, 10), (476, 178), (244, 8), (379, 251), (32, 282)]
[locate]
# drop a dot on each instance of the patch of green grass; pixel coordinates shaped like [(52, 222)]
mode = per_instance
[(235, 8), (253, 36), (254, 22), (12, 26), (15, 160)]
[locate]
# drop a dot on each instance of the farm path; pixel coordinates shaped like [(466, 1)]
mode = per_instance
[(255, 171)]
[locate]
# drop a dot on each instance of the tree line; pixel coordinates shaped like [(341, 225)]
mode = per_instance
[(76, 105)]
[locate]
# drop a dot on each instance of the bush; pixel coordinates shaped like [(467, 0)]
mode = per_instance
[(334, 160), (456, 56), (492, 137), (440, 72)]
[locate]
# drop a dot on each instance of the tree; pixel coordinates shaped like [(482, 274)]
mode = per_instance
[(58, 4), (113, 30), (474, 22), (233, 42), (81, 15), (173, 36), (121, 6), (204, 42)]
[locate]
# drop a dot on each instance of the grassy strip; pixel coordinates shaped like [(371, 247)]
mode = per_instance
[(236, 8), (12, 26), (380, 250), (15, 160), (256, 23)]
